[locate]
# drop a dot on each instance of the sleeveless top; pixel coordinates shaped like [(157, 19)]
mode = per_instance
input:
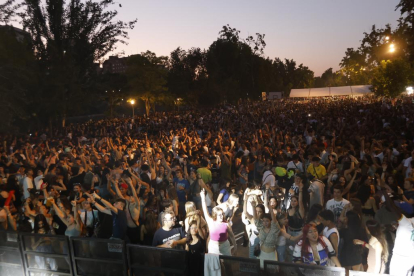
[(218, 231), (295, 221), (328, 232)]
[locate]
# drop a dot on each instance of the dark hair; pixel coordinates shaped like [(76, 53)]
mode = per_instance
[(189, 238), (151, 223), (327, 215), (41, 218), (313, 212), (122, 201), (267, 216), (165, 203), (261, 206), (364, 193), (355, 230), (339, 187)]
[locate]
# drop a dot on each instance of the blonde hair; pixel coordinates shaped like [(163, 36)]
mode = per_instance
[(190, 207)]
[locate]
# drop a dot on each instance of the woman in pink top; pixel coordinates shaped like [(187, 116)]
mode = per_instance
[(220, 231)]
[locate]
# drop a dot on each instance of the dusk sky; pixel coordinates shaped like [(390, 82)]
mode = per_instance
[(315, 33)]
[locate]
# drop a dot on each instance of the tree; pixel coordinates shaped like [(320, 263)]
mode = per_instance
[(67, 38), (8, 11), (187, 76), (391, 78), (115, 87), (407, 23), (17, 78), (147, 78)]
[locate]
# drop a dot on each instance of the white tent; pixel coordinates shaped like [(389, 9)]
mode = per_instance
[(356, 91)]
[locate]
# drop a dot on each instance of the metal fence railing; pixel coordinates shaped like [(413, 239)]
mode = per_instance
[(237, 266), (292, 269), (146, 260), (10, 255), (98, 257), (51, 255), (46, 254)]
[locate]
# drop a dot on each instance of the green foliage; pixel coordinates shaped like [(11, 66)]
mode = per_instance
[(147, 78), (67, 38), (391, 78), (17, 78)]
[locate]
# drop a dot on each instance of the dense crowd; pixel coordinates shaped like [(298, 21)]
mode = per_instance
[(327, 182)]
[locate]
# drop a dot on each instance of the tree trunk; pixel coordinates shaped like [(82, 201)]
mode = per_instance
[(63, 120), (147, 107)]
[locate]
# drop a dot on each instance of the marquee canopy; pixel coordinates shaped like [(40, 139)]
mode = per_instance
[(356, 90)]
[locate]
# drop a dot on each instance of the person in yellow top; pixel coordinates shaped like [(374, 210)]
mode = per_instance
[(316, 169)]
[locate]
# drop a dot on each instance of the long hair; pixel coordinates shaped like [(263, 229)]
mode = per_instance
[(313, 212), (374, 229), (191, 211), (355, 226), (151, 223), (364, 193), (172, 193), (214, 213), (41, 218), (189, 238), (357, 205), (306, 242)]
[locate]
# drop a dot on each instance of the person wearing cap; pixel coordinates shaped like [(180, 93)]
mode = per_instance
[(132, 207), (317, 170)]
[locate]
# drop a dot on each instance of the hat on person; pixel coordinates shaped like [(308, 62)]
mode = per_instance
[(405, 207), (123, 185), (68, 149)]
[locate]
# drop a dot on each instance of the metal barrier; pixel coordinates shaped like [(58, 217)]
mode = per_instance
[(292, 269), (362, 273), (237, 266), (10, 255), (146, 260), (98, 257), (46, 255)]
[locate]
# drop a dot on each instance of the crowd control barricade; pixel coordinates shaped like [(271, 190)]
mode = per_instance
[(237, 266), (98, 257), (293, 269), (10, 255), (362, 273), (147, 260), (46, 255)]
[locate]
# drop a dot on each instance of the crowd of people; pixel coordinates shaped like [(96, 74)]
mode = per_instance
[(327, 182)]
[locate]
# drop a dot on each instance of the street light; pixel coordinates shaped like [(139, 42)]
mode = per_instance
[(392, 48), (132, 102)]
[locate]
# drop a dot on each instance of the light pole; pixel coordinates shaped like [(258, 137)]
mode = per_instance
[(132, 101)]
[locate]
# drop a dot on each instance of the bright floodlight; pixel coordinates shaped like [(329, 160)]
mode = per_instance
[(132, 101), (387, 38), (410, 90)]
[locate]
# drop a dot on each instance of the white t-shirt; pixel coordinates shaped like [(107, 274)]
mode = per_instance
[(407, 164), (327, 232), (297, 166), (268, 177), (336, 207), (404, 239), (27, 184), (90, 217)]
